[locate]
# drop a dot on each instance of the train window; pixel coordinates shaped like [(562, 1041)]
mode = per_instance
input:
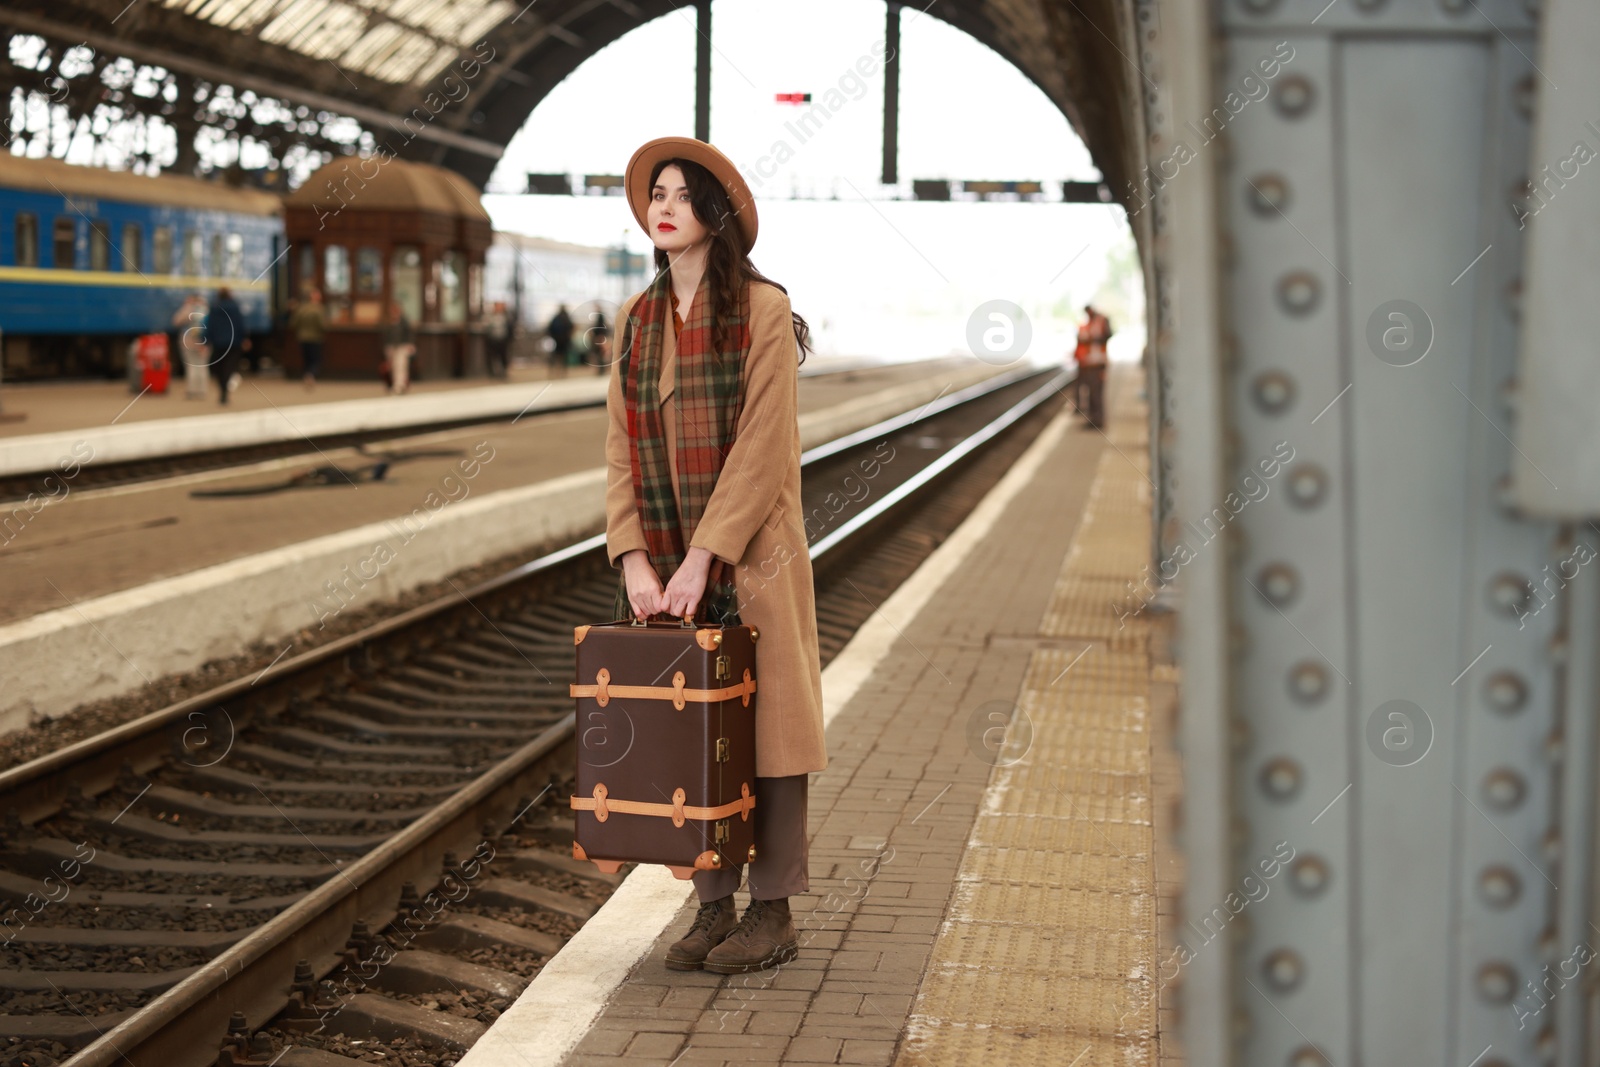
[(336, 281), (235, 262), (369, 271), (405, 280), (99, 245), (452, 287), (64, 244), (27, 235), (133, 247), (214, 265), (191, 253), (161, 247)]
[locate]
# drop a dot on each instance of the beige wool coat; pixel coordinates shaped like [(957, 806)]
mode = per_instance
[(753, 520)]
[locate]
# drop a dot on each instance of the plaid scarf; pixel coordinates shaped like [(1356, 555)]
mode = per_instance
[(709, 397)]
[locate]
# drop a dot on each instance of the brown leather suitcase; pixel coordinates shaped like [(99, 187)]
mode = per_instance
[(666, 738)]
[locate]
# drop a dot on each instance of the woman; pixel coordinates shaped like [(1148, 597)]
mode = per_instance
[(310, 325), (703, 506), (190, 323), (398, 345)]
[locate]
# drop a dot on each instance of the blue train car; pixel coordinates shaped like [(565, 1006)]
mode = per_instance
[(90, 259)]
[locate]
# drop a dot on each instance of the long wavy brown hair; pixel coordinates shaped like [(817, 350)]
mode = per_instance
[(727, 266)]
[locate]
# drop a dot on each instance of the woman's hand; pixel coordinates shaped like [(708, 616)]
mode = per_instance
[(644, 586), (688, 585)]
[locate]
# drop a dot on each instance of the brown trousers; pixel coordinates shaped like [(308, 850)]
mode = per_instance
[(780, 867), (1092, 381)]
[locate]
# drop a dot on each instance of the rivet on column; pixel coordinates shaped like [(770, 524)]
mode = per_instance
[(1283, 969), (1309, 875), (1268, 194), (1506, 692), (1510, 594), (1307, 484), (1524, 95), (1294, 96), (1497, 982), (1280, 778), (1298, 292), (1308, 681), (1499, 886), (1279, 584), (1504, 789), (1273, 391)]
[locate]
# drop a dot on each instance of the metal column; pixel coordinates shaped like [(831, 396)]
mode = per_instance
[(1370, 656), (891, 94), (702, 70)]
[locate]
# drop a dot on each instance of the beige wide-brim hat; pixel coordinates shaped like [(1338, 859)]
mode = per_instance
[(636, 180)]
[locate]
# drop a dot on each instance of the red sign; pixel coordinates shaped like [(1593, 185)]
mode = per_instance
[(154, 369), (793, 98)]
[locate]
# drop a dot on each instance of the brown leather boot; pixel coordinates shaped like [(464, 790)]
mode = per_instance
[(765, 937), (712, 923)]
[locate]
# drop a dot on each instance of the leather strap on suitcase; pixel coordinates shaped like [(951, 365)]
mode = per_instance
[(602, 806)]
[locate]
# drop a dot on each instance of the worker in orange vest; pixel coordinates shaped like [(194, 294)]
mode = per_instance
[(1090, 356)]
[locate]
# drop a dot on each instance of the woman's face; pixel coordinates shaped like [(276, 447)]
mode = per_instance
[(673, 226)]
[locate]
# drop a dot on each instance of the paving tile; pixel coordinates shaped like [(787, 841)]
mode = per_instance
[(746, 1043), (651, 1044), (604, 1042), (868, 1052), (786, 1023), (698, 997), (836, 1003), (815, 1049)]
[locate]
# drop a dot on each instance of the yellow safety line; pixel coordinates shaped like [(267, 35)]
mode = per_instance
[(1047, 954), (61, 276)]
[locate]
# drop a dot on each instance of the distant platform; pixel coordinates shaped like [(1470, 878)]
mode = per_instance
[(109, 423)]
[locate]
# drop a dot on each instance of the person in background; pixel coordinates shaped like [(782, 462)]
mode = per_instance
[(600, 349), (225, 332), (498, 339), (310, 325), (560, 331), (399, 345), (599, 337), (1092, 337), (189, 326)]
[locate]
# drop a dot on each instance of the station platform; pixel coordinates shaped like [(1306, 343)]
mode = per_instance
[(108, 422), (51, 407), (985, 884)]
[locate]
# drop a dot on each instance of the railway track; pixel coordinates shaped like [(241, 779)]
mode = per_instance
[(14, 487), (367, 846)]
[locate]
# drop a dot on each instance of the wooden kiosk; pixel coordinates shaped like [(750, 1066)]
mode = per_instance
[(370, 231)]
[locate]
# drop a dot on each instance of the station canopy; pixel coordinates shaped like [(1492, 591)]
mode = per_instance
[(335, 65)]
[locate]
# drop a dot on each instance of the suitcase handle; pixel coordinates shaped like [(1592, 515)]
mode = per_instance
[(713, 576)]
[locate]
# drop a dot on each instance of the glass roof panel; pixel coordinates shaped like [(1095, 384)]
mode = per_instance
[(396, 41)]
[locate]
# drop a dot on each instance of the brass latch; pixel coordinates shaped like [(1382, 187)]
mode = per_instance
[(721, 833), (722, 750), (724, 668)]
